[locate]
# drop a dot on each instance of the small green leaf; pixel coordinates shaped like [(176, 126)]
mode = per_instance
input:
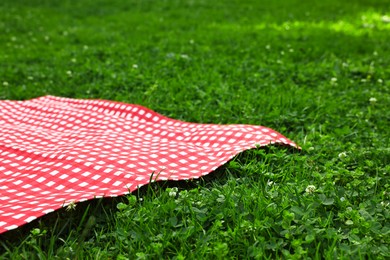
[(349, 222), (325, 200), (328, 201), (121, 206)]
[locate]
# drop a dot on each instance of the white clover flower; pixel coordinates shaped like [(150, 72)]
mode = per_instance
[(69, 73), (333, 81), (173, 192), (270, 183), (373, 100), (135, 66), (5, 84), (184, 56), (73, 60), (310, 189), (385, 204), (380, 81), (386, 19), (30, 77), (268, 47), (71, 206), (342, 155)]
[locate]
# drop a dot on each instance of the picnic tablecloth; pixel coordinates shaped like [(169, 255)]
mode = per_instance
[(55, 151)]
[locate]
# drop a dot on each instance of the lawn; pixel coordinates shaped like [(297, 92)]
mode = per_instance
[(316, 71)]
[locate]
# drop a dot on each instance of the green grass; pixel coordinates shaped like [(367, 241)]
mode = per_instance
[(317, 71)]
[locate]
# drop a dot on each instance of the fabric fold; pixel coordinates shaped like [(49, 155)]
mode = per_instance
[(56, 151)]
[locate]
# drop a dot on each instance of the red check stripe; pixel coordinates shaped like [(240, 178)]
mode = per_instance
[(56, 151)]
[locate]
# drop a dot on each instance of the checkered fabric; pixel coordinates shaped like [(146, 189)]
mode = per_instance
[(58, 151)]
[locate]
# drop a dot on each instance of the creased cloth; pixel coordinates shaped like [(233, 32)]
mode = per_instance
[(57, 151)]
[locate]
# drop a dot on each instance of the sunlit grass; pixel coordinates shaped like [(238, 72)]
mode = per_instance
[(362, 24)]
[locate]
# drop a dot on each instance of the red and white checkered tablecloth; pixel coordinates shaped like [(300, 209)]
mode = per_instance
[(55, 151)]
